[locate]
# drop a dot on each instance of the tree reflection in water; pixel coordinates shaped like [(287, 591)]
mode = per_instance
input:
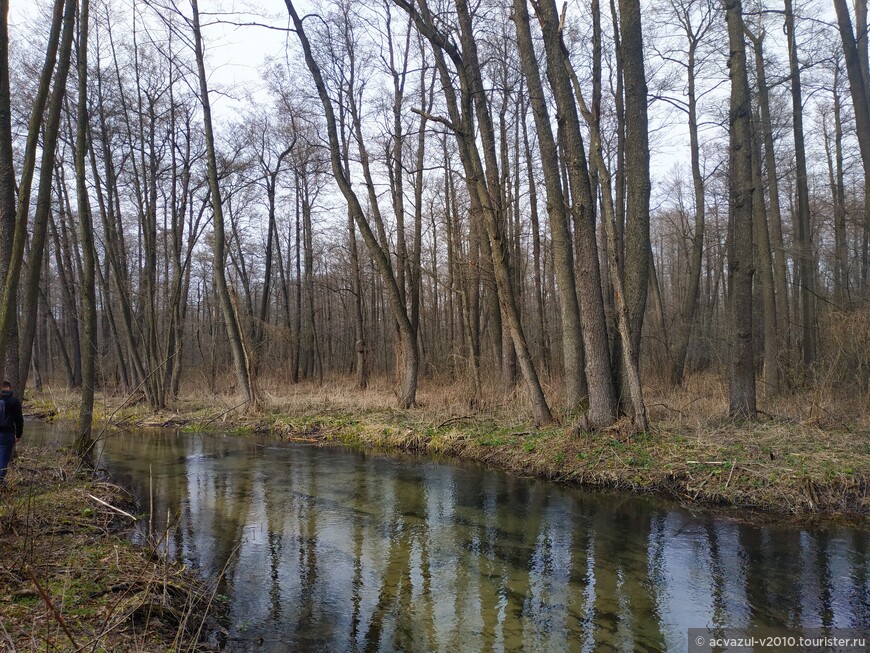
[(329, 549)]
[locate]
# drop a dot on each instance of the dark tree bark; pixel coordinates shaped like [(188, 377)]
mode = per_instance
[(13, 220), (482, 175), (43, 203), (774, 215), (741, 365), (836, 180), (599, 375), (765, 274), (84, 441), (637, 179)]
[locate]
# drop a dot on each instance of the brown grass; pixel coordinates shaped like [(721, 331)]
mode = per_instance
[(808, 454)]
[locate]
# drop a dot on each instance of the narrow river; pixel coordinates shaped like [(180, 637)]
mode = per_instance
[(328, 549)]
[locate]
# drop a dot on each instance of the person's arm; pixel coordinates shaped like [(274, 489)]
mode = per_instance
[(18, 420)]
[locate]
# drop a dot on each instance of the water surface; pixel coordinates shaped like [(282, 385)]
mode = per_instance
[(333, 549)]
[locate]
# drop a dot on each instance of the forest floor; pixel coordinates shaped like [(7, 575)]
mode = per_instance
[(807, 456), (71, 580)]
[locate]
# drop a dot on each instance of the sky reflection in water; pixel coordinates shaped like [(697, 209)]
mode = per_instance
[(336, 550)]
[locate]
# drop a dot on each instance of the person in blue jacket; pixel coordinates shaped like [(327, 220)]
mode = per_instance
[(11, 426)]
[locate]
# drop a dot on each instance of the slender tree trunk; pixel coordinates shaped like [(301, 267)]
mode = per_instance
[(572, 342), (84, 442), (859, 85), (806, 272), (408, 393), (244, 371), (774, 221), (599, 374), (862, 38), (688, 310), (637, 174), (7, 173), (765, 266), (536, 246), (838, 197), (314, 353), (842, 291), (13, 220), (486, 182), (43, 204)]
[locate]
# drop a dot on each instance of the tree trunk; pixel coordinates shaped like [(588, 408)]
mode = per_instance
[(859, 84), (244, 371), (688, 310), (806, 272), (774, 216), (563, 254), (13, 220), (637, 179), (599, 376), (486, 184), (842, 282), (43, 205), (408, 393), (84, 442), (765, 264), (741, 365)]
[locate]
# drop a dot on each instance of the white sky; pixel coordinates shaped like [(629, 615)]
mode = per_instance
[(237, 48)]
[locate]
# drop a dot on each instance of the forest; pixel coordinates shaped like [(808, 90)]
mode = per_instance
[(561, 204)]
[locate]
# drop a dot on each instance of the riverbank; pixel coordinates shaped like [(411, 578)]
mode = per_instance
[(70, 579), (807, 456)]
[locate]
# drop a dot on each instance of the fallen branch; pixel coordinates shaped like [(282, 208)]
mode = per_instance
[(111, 507)]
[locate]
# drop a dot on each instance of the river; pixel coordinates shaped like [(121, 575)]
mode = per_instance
[(332, 549)]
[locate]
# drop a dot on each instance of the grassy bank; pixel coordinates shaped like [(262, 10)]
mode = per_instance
[(807, 455), (70, 580)]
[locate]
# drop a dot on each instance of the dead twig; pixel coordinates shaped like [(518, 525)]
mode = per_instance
[(54, 611), (730, 474), (701, 486), (111, 507)]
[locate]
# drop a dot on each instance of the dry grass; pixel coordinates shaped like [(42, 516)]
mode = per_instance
[(808, 454), (69, 578)]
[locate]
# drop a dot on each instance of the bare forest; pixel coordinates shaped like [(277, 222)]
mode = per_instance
[(557, 207)]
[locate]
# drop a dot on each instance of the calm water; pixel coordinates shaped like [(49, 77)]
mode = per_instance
[(327, 549)]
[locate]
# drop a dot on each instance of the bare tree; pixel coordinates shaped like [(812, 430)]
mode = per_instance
[(408, 393), (805, 262), (84, 442), (245, 372), (859, 85), (740, 268)]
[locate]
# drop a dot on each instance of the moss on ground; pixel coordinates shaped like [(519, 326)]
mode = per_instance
[(71, 580)]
